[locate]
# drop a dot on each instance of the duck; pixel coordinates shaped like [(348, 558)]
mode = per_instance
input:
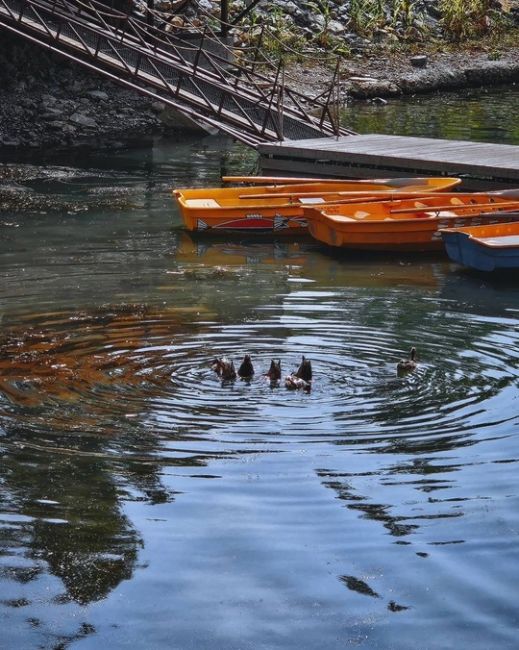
[(246, 369), (224, 368), (216, 365), (301, 379), (407, 365), (274, 372)]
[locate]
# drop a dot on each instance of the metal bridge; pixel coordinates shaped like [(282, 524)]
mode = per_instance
[(198, 78)]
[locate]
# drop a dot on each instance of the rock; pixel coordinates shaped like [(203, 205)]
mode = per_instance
[(419, 61), (367, 89), (176, 21), (69, 105), (51, 113), (57, 125), (336, 28), (291, 8), (158, 107), (319, 22), (27, 102), (83, 120), (17, 111), (10, 142), (380, 35), (98, 95), (48, 100)]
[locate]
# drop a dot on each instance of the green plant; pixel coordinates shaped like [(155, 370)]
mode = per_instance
[(322, 37), (465, 19), (412, 25), (404, 11), (367, 15)]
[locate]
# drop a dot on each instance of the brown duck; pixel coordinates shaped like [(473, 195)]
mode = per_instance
[(224, 368), (246, 369), (407, 365), (274, 372), (301, 379)]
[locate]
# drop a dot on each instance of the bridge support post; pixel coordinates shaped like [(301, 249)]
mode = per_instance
[(224, 17)]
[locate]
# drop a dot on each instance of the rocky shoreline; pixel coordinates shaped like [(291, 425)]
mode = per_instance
[(369, 77), (46, 102)]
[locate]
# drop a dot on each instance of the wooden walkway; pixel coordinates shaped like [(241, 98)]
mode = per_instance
[(481, 165)]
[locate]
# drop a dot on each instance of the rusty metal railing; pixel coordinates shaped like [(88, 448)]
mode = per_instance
[(193, 79)]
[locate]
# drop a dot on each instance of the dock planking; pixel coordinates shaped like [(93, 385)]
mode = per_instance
[(482, 165)]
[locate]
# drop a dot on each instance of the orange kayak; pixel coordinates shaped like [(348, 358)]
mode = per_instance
[(408, 224), (280, 208)]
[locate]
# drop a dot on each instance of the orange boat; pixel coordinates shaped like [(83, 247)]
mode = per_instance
[(408, 224), (280, 208)]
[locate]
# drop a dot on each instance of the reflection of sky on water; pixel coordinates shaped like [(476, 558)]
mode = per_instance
[(145, 504)]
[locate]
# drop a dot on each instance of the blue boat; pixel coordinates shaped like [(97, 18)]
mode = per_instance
[(484, 248)]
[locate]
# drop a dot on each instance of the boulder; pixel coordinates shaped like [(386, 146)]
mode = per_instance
[(98, 95), (83, 120), (419, 61), (369, 88), (158, 107)]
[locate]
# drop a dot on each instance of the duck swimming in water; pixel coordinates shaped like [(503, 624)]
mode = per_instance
[(216, 366), (274, 372), (224, 368), (246, 369), (407, 365), (301, 379)]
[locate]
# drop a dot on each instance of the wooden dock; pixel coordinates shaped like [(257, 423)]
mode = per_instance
[(481, 165)]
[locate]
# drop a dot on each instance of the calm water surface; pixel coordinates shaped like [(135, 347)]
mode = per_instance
[(474, 114), (143, 504)]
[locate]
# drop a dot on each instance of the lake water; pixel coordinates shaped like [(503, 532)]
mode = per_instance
[(146, 505)]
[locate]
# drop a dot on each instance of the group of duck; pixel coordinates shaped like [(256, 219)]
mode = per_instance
[(301, 379)]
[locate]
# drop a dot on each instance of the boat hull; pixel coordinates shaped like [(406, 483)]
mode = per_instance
[(279, 220), (414, 235), (281, 208), (484, 248)]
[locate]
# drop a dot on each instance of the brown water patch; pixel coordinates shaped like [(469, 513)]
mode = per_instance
[(60, 357)]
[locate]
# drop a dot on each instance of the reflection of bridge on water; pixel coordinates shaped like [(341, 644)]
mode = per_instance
[(194, 76)]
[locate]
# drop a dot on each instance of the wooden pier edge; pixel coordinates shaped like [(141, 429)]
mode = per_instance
[(481, 165)]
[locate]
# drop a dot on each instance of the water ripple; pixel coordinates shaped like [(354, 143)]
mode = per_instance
[(126, 366)]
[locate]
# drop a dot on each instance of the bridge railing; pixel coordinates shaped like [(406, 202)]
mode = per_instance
[(201, 83)]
